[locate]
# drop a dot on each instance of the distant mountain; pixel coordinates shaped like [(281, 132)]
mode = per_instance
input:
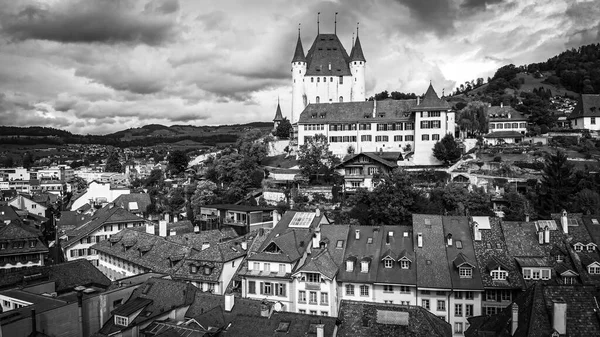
[(33, 131)]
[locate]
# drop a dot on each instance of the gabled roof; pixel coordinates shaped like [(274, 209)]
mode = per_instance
[(15, 232), (501, 114), (432, 261), (366, 248), (588, 105), (373, 155), (327, 49), (133, 202), (359, 112), (461, 260), (106, 215), (357, 53), (299, 52), (431, 101)]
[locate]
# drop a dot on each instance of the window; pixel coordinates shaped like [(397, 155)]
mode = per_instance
[(381, 138), (267, 267), (339, 244), (425, 137), (364, 126), (282, 268), (404, 289), (468, 295), (302, 311), (388, 288), (425, 304), (313, 312), (120, 320), (465, 272), (324, 313), (366, 138), (350, 289), (364, 265), (318, 99), (364, 290), (349, 265), (388, 301), (409, 138), (267, 288), (404, 264), (313, 277), (302, 296), (545, 274), (341, 78), (593, 270), (526, 273), (255, 266), (458, 310), (341, 99), (593, 121), (324, 298), (441, 305), (409, 126), (397, 138), (388, 263), (499, 275), (458, 327), (535, 274), (425, 292), (578, 247), (312, 297), (468, 310), (591, 247), (435, 137)]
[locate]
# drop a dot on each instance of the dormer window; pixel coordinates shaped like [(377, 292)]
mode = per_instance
[(349, 265), (594, 268), (364, 266), (207, 270), (121, 320), (499, 275), (465, 272), (404, 264), (591, 247), (388, 263), (559, 258), (193, 269), (578, 247)]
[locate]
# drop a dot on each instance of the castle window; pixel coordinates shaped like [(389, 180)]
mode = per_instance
[(318, 99), (341, 79), (331, 79), (318, 79), (341, 99), (354, 63), (312, 79), (324, 79), (425, 137)]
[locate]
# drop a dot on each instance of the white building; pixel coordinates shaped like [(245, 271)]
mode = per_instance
[(99, 193), (586, 114), (410, 126), (327, 73), (25, 203)]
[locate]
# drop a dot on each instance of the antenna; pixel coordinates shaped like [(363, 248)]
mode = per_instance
[(335, 24), (357, 29), (299, 29), (318, 14), (352, 39)]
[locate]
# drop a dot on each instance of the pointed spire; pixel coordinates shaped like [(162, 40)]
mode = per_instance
[(299, 53), (432, 101), (278, 114), (335, 24), (357, 54)]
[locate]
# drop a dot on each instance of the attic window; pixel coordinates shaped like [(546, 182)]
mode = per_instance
[(369, 240), (147, 288), (334, 48), (121, 320), (339, 244), (458, 244), (595, 221), (427, 221), (193, 268), (283, 327), (207, 270), (465, 272), (320, 48)]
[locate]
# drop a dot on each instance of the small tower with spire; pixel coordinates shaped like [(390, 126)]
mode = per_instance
[(298, 72), (278, 116), (357, 68)]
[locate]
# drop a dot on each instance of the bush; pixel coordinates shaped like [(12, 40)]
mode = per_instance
[(497, 159), (533, 166)]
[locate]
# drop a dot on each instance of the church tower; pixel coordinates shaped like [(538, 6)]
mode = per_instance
[(298, 72)]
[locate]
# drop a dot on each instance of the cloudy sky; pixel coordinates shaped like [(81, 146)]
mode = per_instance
[(100, 66)]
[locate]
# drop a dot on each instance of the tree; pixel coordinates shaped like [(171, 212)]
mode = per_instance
[(178, 162), (587, 202), (392, 201), (7, 161), (315, 159), (283, 129), (557, 182), (175, 201), (203, 195), (112, 163), (518, 207), (473, 119), (447, 150)]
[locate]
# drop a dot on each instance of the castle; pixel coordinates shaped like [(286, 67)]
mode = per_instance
[(328, 97)]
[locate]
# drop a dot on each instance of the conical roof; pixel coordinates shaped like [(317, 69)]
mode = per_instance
[(278, 115), (357, 54), (431, 101), (299, 53)]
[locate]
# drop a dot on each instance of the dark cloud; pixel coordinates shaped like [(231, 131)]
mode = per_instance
[(479, 4), (162, 6), (433, 15), (585, 28), (19, 114), (121, 78), (100, 21)]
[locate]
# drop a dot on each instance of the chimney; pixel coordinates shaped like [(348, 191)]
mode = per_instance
[(541, 237), (502, 104), (316, 238), (320, 330), (515, 318), (244, 245), (317, 212), (559, 316), (275, 218), (166, 216), (33, 323), (229, 302), (449, 237), (420, 240), (265, 310), (526, 217), (162, 228), (357, 234), (476, 231), (547, 234), (564, 221), (150, 229), (80, 310), (418, 100), (329, 66)]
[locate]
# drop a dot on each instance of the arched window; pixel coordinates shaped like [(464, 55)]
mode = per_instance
[(331, 79), (318, 99), (324, 79), (312, 79), (341, 99), (318, 79)]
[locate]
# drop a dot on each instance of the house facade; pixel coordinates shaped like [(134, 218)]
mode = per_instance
[(586, 114)]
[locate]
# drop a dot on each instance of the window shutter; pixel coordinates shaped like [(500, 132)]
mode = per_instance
[(262, 288)]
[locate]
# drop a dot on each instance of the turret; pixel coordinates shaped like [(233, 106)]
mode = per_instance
[(357, 68), (298, 72), (278, 116)]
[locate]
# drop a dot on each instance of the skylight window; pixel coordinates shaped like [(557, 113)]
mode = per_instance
[(458, 244), (302, 220), (595, 221), (283, 327), (339, 244)]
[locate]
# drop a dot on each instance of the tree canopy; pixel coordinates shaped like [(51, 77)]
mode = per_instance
[(473, 118), (316, 161), (284, 129), (178, 162), (112, 163), (557, 182), (447, 150)]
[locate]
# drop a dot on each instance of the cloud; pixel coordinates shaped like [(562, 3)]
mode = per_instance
[(479, 4), (162, 6), (101, 21), (435, 15)]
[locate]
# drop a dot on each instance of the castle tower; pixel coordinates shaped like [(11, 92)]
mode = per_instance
[(298, 71), (357, 68)]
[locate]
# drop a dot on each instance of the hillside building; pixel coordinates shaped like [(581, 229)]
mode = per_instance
[(586, 114)]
